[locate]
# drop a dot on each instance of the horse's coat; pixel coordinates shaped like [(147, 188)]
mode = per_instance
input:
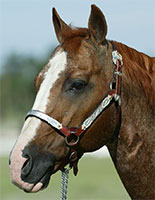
[(74, 88)]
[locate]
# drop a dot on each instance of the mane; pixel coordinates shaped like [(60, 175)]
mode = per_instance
[(139, 68)]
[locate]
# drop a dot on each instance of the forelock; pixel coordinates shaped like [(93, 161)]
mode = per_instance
[(73, 39)]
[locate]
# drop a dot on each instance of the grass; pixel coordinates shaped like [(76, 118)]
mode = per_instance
[(97, 179)]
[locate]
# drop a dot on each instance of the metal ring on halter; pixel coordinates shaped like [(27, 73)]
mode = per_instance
[(112, 85), (72, 140)]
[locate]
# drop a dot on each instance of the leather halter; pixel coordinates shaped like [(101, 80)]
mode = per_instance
[(72, 135)]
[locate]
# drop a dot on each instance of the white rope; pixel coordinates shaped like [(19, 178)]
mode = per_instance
[(64, 183)]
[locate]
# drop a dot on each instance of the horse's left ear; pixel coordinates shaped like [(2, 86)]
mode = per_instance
[(61, 28), (97, 25)]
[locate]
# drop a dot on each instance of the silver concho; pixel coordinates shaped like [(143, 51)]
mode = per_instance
[(116, 56)]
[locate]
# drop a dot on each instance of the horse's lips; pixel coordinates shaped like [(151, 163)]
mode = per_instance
[(40, 185), (35, 188), (43, 183)]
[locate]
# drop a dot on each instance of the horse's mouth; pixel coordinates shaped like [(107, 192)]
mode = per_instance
[(42, 184), (44, 180)]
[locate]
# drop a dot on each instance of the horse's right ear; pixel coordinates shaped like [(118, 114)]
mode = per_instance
[(97, 25), (60, 26)]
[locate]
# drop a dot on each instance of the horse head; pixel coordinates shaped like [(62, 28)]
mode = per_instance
[(68, 88)]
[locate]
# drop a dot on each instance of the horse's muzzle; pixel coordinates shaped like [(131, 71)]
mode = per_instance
[(38, 166), (34, 170)]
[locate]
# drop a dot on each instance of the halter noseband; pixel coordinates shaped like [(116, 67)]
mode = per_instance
[(72, 135)]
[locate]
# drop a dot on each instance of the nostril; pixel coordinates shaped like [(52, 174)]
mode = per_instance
[(27, 166)]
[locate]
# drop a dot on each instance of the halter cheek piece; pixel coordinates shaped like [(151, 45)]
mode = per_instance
[(72, 135)]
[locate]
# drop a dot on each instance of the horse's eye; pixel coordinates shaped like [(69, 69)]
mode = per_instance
[(77, 85)]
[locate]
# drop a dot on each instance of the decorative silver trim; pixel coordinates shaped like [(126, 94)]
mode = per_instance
[(117, 97), (42, 116), (118, 73), (116, 56), (97, 112), (54, 123)]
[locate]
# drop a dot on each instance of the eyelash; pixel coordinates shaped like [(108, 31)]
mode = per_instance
[(77, 85)]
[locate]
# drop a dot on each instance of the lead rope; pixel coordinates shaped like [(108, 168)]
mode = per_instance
[(64, 183)]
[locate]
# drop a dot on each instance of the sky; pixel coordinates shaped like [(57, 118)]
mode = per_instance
[(26, 25)]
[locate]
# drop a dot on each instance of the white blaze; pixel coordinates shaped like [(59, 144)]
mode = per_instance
[(57, 64)]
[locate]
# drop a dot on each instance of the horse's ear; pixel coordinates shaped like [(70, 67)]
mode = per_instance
[(60, 26), (97, 25)]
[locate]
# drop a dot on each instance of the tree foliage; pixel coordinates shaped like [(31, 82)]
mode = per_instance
[(16, 85)]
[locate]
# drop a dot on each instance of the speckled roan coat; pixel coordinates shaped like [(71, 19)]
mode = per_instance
[(89, 59)]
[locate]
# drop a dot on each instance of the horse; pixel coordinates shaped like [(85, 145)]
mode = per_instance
[(93, 92)]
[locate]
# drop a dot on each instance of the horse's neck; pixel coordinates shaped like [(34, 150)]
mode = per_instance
[(132, 151), (138, 92), (138, 95)]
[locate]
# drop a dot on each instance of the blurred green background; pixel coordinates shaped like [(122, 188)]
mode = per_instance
[(97, 180), (17, 87)]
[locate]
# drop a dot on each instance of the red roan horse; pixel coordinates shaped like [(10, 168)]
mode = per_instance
[(70, 87)]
